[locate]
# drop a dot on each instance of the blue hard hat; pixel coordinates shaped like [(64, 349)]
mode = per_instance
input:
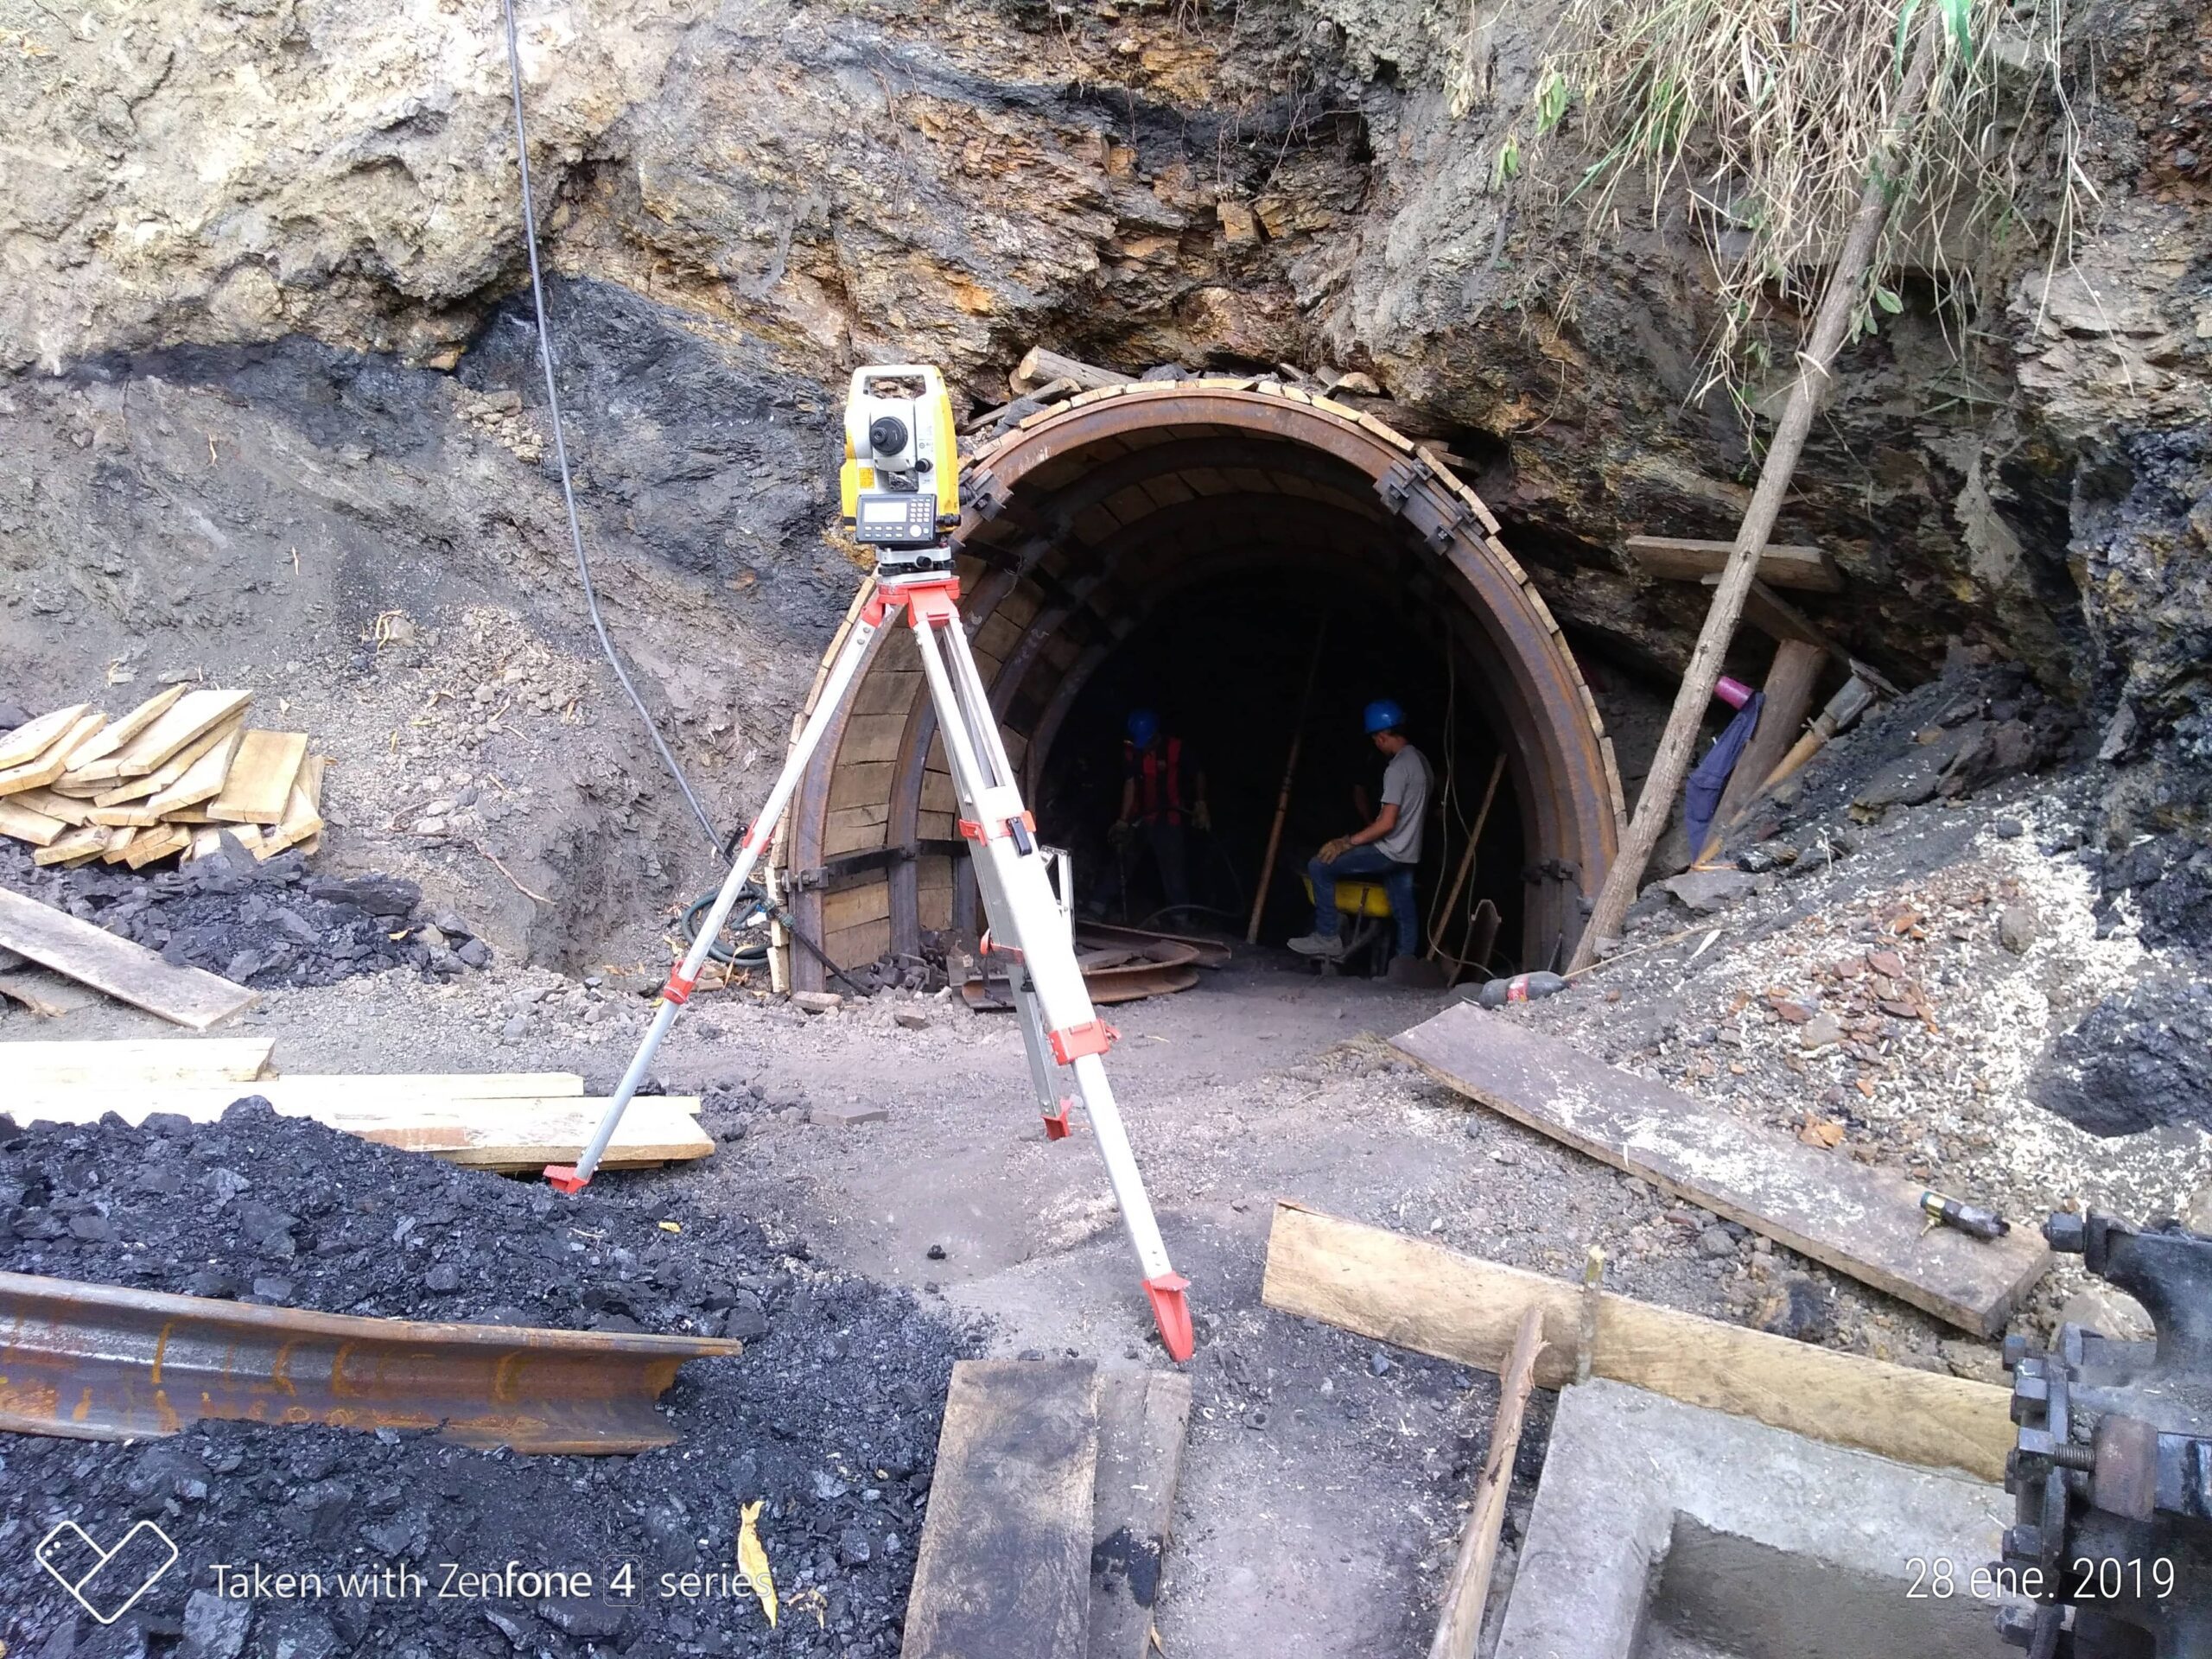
[(1144, 725), (1384, 715)]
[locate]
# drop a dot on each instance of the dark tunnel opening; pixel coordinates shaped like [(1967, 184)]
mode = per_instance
[(1224, 665)]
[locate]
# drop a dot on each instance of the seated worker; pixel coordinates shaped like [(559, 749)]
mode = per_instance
[(1162, 792), (1389, 847)]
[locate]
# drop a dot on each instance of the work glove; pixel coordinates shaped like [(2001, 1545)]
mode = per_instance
[(1118, 832), (1332, 851), (1202, 815)]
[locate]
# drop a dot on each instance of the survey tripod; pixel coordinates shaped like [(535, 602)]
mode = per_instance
[(1061, 1031)]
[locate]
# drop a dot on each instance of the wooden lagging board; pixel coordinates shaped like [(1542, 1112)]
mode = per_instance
[(1864, 1222)]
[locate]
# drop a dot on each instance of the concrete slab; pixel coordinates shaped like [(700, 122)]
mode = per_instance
[(1664, 1531)]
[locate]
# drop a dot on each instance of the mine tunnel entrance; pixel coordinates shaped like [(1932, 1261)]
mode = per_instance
[(1181, 545), (1222, 664)]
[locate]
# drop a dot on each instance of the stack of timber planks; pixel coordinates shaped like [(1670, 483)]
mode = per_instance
[(166, 780)]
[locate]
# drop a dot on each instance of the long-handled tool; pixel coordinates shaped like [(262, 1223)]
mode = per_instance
[(901, 492)]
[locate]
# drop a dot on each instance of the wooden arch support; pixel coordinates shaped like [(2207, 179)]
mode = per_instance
[(1089, 514)]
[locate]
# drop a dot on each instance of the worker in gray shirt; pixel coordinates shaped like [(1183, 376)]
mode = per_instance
[(1388, 848)]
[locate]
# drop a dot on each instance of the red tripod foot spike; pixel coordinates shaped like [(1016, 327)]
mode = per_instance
[(1056, 1124), (564, 1178), (1172, 1314)]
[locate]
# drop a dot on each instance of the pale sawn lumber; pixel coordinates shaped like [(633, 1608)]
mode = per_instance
[(117, 732), (34, 737), (1421, 1296), (259, 785), (43, 1065), (128, 972)]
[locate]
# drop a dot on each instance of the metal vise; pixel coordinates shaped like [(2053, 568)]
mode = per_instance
[(2112, 1472)]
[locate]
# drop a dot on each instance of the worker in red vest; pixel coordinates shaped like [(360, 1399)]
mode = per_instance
[(1163, 798)]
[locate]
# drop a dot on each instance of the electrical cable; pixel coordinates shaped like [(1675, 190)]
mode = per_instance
[(724, 847), (561, 448)]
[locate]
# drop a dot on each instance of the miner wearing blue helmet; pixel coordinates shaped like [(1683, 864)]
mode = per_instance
[(1389, 849), (1163, 797)]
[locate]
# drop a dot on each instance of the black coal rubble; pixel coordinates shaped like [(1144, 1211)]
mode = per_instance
[(829, 1418), (262, 924)]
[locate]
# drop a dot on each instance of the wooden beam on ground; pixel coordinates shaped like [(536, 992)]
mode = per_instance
[(38, 1067), (1788, 691), (1459, 1620), (128, 972), (1422, 1296), (1004, 1568), (1679, 559), (401, 1095), (1864, 1222), (1142, 1418)]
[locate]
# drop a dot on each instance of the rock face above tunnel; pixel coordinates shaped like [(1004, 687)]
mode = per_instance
[(744, 198)]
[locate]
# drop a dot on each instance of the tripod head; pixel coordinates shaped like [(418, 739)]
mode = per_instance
[(899, 486)]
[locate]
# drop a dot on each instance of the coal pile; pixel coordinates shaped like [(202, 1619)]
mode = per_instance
[(266, 923), (829, 1420)]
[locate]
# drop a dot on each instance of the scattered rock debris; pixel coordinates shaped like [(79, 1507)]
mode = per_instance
[(262, 924)]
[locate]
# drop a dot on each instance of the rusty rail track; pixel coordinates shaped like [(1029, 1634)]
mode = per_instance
[(101, 1363)]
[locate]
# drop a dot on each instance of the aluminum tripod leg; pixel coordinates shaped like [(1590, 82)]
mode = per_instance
[(1050, 1101), (1027, 924), (685, 974)]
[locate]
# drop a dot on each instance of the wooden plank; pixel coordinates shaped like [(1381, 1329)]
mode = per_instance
[(54, 805), (25, 825), (47, 767), (118, 844), (520, 1134), (1459, 1618), (46, 993), (128, 972), (1864, 1222), (1142, 1418), (79, 846), (259, 785), (1681, 559), (179, 765), (1422, 1296), (302, 821), (397, 1098), (1004, 1567), (156, 844), (34, 737), (193, 715), (34, 1066), (116, 734)]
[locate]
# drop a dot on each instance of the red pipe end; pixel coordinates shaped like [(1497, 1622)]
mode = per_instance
[(1172, 1314), (562, 1178)]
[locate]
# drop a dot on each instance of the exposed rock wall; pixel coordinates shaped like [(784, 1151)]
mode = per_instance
[(744, 199)]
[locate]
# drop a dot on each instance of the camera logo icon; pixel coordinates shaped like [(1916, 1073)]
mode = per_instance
[(106, 1583)]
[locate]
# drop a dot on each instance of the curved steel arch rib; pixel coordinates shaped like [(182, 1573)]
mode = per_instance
[(1075, 500)]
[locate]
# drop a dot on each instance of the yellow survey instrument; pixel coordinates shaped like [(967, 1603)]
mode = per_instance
[(900, 488)]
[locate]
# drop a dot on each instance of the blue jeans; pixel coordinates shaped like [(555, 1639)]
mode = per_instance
[(1397, 883)]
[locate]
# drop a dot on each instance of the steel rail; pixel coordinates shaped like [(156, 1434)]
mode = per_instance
[(102, 1363)]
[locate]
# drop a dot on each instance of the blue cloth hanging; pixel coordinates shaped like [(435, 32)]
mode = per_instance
[(1701, 793)]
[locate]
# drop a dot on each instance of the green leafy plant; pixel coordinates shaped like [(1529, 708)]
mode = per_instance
[(1759, 121)]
